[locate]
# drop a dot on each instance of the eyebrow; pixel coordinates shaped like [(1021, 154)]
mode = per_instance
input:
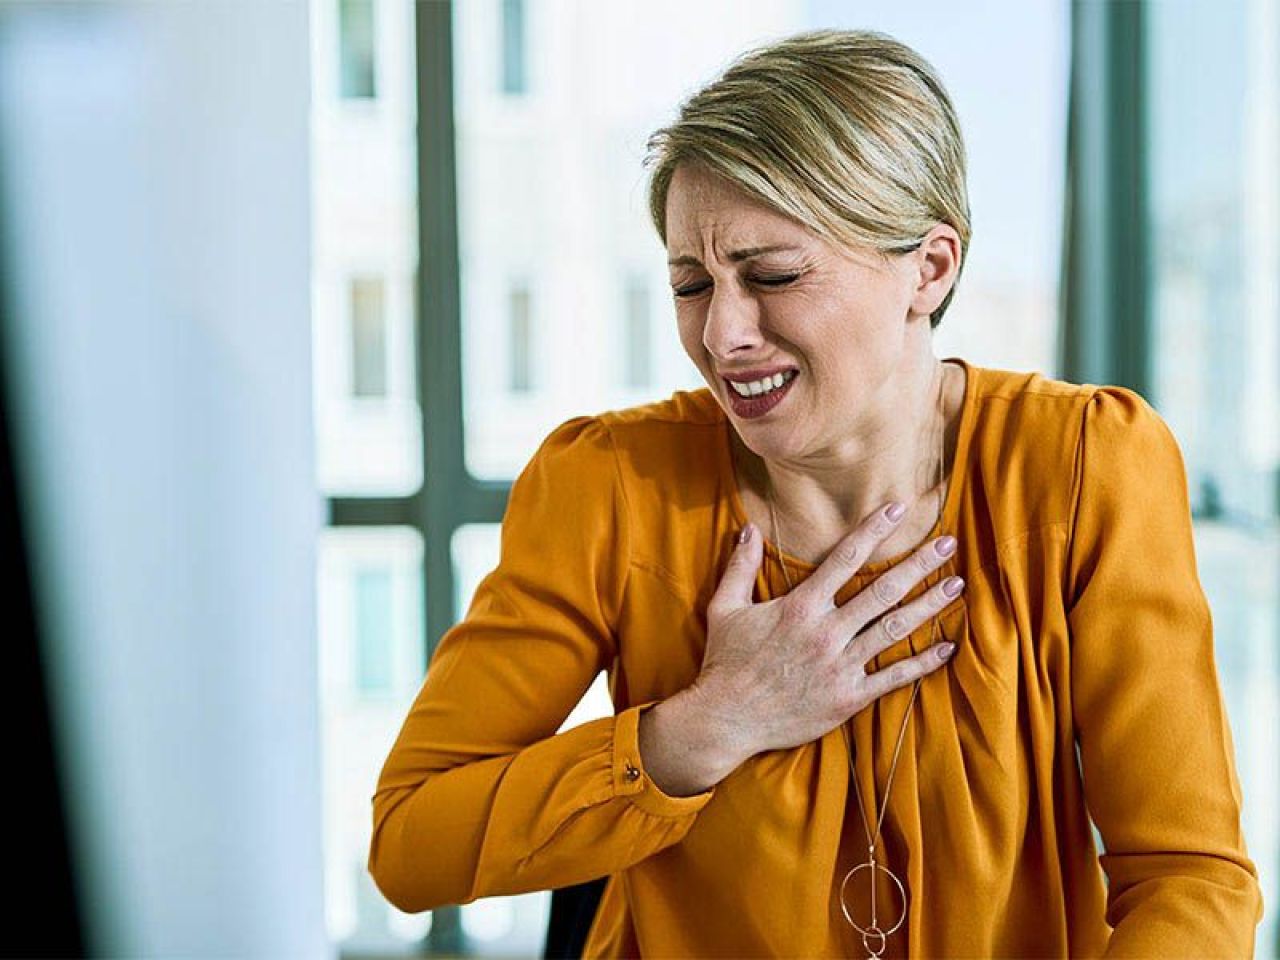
[(737, 256)]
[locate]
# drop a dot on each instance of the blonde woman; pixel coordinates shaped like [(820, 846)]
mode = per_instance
[(841, 729)]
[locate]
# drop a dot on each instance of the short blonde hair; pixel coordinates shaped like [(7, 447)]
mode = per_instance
[(849, 132)]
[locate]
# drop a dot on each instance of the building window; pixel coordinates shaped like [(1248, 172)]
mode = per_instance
[(368, 338), (513, 47), (373, 611), (356, 50), (638, 358), (521, 356)]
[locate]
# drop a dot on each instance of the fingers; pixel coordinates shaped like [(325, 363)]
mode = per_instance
[(900, 622), (737, 585), (907, 670), (848, 555), (890, 587)]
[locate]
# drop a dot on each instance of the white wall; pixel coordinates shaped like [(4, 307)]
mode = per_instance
[(155, 176)]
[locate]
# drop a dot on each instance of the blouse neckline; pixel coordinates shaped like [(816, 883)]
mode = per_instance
[(950, 506)]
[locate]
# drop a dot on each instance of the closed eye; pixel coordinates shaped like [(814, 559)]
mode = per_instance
[(775, 280)]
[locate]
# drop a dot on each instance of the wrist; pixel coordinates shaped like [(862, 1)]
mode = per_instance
[(727, 738), (683, 754)]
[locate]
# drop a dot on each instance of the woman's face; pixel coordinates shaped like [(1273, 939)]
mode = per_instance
[(756, 291)]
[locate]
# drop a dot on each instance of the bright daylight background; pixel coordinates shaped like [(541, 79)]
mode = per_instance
[(214, 345)]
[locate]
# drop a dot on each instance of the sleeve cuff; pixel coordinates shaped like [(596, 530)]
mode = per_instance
[(630, 778)]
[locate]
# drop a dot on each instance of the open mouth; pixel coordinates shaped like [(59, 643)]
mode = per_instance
[(750, 400)]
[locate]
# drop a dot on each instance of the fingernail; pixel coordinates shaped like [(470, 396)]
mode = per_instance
[(952, 585), (945, 546), (895, 511), (744, 534), (945, 650)]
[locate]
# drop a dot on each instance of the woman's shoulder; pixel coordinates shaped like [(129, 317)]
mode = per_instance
[(1027, 409), (685, 417), (668, 434), (683, 408), (672, 454), (1032, 388), (656, 455), (1051, 418), (1028, 434)]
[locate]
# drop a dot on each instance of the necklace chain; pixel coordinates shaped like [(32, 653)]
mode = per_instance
[(870, 934)]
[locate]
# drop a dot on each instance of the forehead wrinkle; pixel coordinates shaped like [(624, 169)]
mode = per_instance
[(737, 256), (713, 237), (721, 218)]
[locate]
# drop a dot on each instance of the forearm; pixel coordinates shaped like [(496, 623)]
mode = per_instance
[(684, 750), (561, 811)]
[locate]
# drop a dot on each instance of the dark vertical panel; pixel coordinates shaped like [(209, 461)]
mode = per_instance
[(45, 917), (439, 350), (1107, 249), (573, 909)]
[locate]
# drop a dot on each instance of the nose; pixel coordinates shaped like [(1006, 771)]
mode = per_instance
[(732, 323)]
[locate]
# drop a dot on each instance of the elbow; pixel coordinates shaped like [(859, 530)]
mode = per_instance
[(387, 872), (405, 898), (403, 879), (408, 869), (387, 878)]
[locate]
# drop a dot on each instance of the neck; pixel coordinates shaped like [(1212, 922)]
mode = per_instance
[(890, 454)]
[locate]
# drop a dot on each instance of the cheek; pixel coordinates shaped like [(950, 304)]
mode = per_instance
[(690, 330)]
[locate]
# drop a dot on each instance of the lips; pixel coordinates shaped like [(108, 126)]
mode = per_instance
[(749, 408)]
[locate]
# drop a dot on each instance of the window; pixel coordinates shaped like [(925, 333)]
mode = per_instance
[(356, 38), (368, 338), (373, 630), (370, 619), (513, 47), (521, 340), (371, 571)]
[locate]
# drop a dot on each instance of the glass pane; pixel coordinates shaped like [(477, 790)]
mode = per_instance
[(357, 49), (372, 661), (1213, 161), (364, 254), (521, 340), (551, 193), (513, 47), (368, 338)]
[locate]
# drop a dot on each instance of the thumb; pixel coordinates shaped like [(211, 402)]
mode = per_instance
[(737, 586)]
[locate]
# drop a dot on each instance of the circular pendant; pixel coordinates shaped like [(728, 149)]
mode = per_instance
[(873, 937)]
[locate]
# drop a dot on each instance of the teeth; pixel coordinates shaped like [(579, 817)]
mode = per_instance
[(766, 385)]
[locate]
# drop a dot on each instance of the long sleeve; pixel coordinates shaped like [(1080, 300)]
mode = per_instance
[(479, 795), (1155, 745)]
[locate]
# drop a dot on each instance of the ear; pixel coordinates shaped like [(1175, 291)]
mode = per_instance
[(937, 261)]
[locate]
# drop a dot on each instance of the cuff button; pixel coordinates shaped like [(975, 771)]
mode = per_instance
[(632, 773)]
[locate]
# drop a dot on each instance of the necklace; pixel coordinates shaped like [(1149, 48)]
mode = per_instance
[(874, 938)]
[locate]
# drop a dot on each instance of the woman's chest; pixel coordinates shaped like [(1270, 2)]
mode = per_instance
[(1008, 683), (814, 540)]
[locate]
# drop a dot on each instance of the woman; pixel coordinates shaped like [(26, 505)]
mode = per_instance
[(793, 769)]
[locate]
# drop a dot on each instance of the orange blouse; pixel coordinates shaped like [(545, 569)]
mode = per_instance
[(1084, 683)]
